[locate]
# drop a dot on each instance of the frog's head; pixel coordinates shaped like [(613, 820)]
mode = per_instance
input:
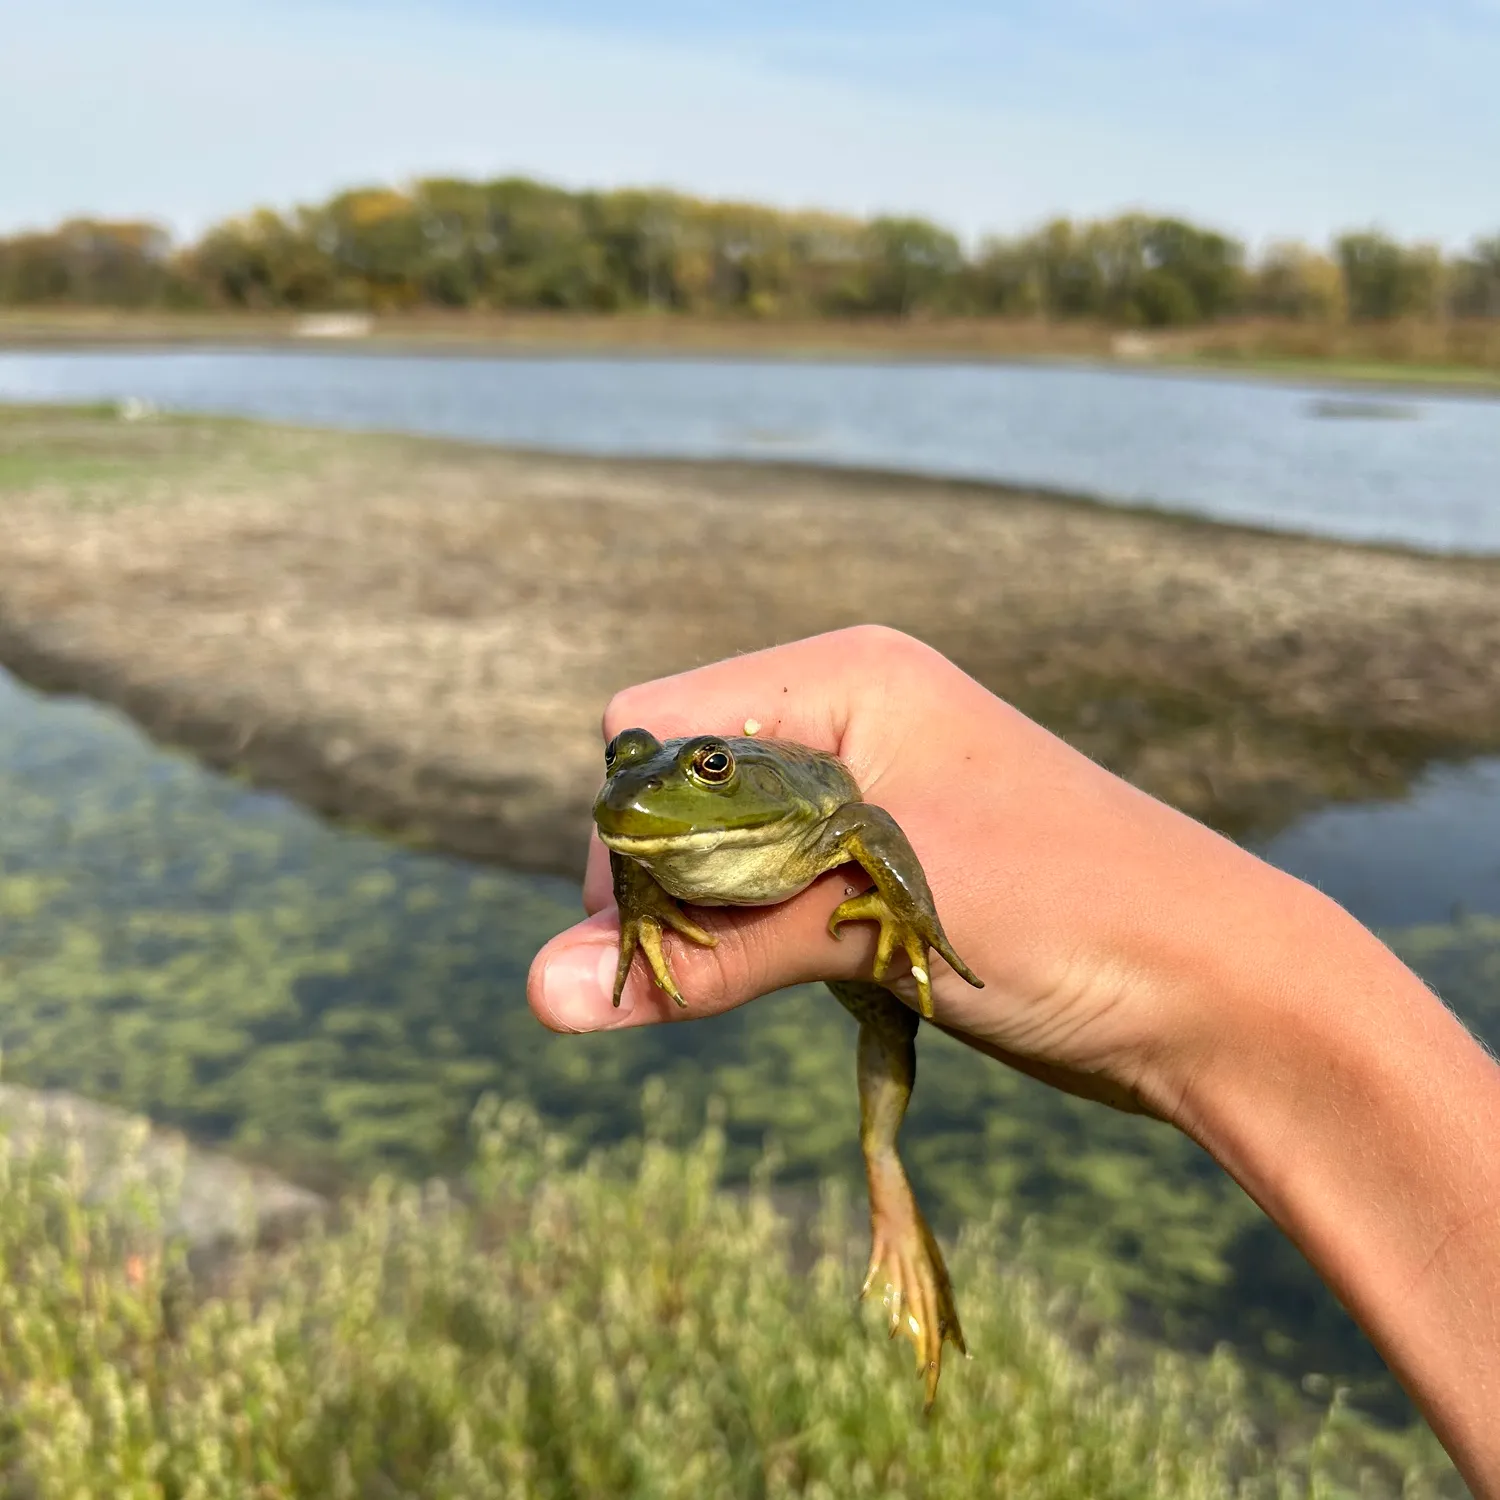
[(655, 793)]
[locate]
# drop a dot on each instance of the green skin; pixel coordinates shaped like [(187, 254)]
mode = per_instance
[(749, 822)]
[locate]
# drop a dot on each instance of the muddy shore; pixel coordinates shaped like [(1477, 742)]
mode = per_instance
[(420, 635)]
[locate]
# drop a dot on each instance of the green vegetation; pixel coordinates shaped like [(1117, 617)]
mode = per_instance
[(519, 244), (1453, 377), (620, 1328), (96, 457), (334, 1006)]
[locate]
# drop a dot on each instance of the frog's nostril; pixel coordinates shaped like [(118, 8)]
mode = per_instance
[(653, 785)]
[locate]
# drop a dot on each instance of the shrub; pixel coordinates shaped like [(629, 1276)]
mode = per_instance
[(624, 1327)]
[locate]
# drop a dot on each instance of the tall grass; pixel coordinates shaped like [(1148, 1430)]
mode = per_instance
[(624, 1327)]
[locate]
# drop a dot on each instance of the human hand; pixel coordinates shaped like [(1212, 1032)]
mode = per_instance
[(1093, 913)]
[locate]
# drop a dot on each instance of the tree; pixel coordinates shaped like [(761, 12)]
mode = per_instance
[(1006, 279), (1385, 280), (1294, 281), (1191, 274), (263, 261), (1069, 269), (1476, 281), (517, 243), (121, 264), (374, 238), (907, 264)]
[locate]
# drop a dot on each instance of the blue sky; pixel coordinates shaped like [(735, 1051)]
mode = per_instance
[(1265, 117)]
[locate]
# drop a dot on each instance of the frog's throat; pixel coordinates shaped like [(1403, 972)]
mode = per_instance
[(646, 847)]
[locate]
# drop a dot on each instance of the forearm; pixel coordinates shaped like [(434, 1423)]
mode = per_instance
[(1130, 955), (1350, 1103)]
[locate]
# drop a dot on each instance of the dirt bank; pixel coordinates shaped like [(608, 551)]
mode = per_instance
[(421, 635)]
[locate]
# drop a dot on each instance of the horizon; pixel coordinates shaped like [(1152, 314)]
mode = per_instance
[(1248, 116)]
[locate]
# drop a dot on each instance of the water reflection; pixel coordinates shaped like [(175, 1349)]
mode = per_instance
[(1331, 409), (1431, 857)]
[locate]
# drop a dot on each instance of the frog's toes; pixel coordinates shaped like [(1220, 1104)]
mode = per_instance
[(871, 906), (656, 956), (906, 1268), (645, 932), (679, 921)]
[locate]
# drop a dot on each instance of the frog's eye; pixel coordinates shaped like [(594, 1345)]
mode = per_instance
[(713, 764), (629, 746)]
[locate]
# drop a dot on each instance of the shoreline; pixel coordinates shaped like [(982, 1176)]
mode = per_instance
[(1181, 354), (417, 636)]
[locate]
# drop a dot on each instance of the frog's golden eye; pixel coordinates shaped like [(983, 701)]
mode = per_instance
[(611, 753), (713, 764)]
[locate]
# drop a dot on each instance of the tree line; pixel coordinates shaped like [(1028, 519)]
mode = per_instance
[(524, 245)]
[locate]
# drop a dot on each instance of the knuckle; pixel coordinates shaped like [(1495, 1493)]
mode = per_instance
[(882, 640), (621, 712), (886, 654)]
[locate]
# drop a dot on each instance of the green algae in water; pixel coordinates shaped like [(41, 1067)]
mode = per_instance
[(335, 1005)]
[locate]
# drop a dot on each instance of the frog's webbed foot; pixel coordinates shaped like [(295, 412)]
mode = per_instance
[(908, 1272), (901, 900), (645, 908)]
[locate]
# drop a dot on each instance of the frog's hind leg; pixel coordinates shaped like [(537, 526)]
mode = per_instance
[(906, 1265)]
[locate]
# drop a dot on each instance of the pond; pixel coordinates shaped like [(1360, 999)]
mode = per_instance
[(333, 1004), (1431, 857), (1423, 470)]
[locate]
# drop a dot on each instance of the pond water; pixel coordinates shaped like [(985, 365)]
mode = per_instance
[(333, 1004), (1276, 455), (1432, 856), (211, 952)]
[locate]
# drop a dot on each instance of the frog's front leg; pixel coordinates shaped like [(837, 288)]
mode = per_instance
[(901, 901), (645, 908), (905, 1262)]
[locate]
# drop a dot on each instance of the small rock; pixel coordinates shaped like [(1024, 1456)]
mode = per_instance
[(210, 1202)]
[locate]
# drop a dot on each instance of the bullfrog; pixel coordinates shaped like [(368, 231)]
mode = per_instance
[(747, 821)]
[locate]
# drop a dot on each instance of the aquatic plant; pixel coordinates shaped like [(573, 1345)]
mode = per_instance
[(621, 1326), (334, 1006)]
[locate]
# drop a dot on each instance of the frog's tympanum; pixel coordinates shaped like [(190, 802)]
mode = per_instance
[(749, 822)]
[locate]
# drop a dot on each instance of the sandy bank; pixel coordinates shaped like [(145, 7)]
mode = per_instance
[(420, 635)]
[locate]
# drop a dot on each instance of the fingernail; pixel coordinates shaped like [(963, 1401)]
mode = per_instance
[(576, 987)]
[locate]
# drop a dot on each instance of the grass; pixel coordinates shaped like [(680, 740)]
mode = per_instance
[(621, 1327), (1478, 378), (96, 459)]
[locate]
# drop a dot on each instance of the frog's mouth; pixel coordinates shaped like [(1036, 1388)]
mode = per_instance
[(646, 846)]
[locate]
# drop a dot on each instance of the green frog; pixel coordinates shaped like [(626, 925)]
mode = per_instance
[(746, 821)]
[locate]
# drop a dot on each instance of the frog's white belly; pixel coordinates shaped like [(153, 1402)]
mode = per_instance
[(736, 867)]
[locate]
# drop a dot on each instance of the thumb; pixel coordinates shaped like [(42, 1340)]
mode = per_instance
[(758, 950)]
